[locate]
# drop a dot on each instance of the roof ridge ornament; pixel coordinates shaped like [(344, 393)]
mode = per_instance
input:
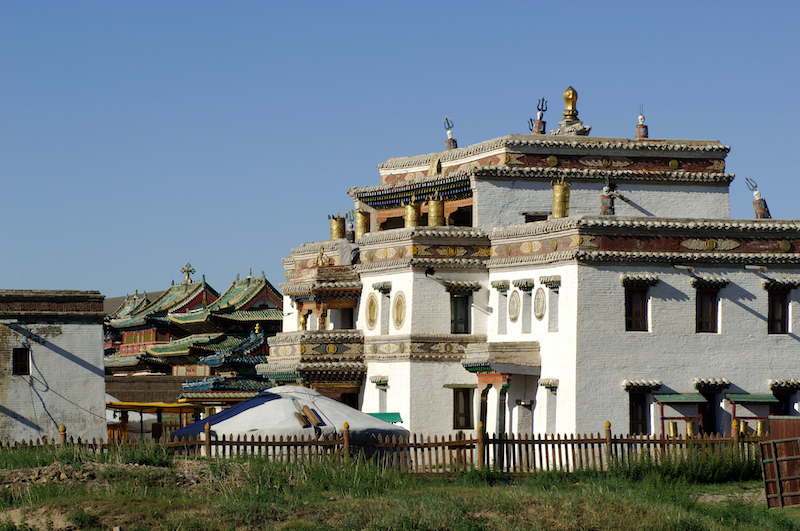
[(537, 126), (451, 142), (760, 204), (570, 125), (187, 271), (641, 129)]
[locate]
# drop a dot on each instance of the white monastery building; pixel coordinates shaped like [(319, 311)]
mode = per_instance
[(51, 365), (549, 283)]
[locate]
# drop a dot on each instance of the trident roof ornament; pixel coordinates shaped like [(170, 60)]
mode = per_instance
[(760, 204), (451, 142), (537, 126)]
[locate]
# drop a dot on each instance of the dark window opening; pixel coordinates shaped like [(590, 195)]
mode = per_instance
[(459, 313), (778, 312), (708, 413), (22, 361), (636, 308), (707, 310), (638, 409), (393, 223), (462, 216), (530, 217), (784, 405), (462, 409)]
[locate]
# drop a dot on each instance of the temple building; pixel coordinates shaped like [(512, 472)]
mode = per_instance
[(549, 283), (202, 340)]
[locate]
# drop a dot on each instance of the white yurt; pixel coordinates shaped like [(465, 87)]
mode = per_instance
[(288, 411)]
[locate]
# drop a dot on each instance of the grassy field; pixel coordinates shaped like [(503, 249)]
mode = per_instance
[(147, 489)]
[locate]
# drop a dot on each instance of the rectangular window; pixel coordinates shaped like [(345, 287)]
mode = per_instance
[(707, 310), (459, 313), (636, 309), (784, 405), (22, 361), (462, 409), (778, 312), (638, 408)]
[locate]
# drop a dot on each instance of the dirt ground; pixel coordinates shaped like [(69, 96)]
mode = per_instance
[(190, 475)]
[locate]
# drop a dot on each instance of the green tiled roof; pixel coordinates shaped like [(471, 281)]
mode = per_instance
[(210, 343), (269, 314), (237, 296), (173, 298), (180, 347), (755, 398)]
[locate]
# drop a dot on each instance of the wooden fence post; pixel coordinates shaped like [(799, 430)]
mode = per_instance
[(735, 430), (62, 433), (608, 444), (480, 445), (346, 439), (208, 439)]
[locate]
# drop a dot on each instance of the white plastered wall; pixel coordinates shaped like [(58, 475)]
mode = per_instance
[(66, 384), (502, 203), (671, 351)]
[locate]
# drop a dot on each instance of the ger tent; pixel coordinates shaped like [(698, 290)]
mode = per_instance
[(288, 411)]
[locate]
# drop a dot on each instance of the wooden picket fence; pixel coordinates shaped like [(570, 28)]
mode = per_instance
[(515, 454)]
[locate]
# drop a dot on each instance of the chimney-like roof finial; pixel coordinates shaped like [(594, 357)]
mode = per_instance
[(641, 129)]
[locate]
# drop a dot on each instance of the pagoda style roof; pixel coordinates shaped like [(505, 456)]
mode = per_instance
[(236, 300), (175, 298), (129, 306), (221, 389), (213, 349)]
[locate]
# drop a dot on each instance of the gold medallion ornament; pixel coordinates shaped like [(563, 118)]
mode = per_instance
[(399, 310), (552, 160), (372, 311), (786, 246), (673, 164), (539, 304)]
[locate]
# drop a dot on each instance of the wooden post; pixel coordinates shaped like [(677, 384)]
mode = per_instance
[(346, 437), (208, 439), (62, 433), (735, 430), (480, 445), (608, 444)]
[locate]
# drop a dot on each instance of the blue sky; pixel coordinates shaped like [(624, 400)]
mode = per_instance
[(138, 136)]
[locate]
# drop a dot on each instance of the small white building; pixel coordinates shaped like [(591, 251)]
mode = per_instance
[(51, 364), (548, 284)]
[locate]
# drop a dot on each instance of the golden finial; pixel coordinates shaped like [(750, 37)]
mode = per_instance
[(570, 99), (188, 270)]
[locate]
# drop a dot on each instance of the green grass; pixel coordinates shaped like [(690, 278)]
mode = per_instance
[(259, 494)]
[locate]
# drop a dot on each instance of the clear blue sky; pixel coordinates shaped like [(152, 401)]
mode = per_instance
[(138, 136)]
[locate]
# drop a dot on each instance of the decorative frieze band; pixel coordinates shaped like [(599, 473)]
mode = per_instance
[(709, 281), (786, 384), (461, 285), (638, 279), (500, 285), (781, 283), (550, 281), (711, 384), (525, 284), (641, 385)]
